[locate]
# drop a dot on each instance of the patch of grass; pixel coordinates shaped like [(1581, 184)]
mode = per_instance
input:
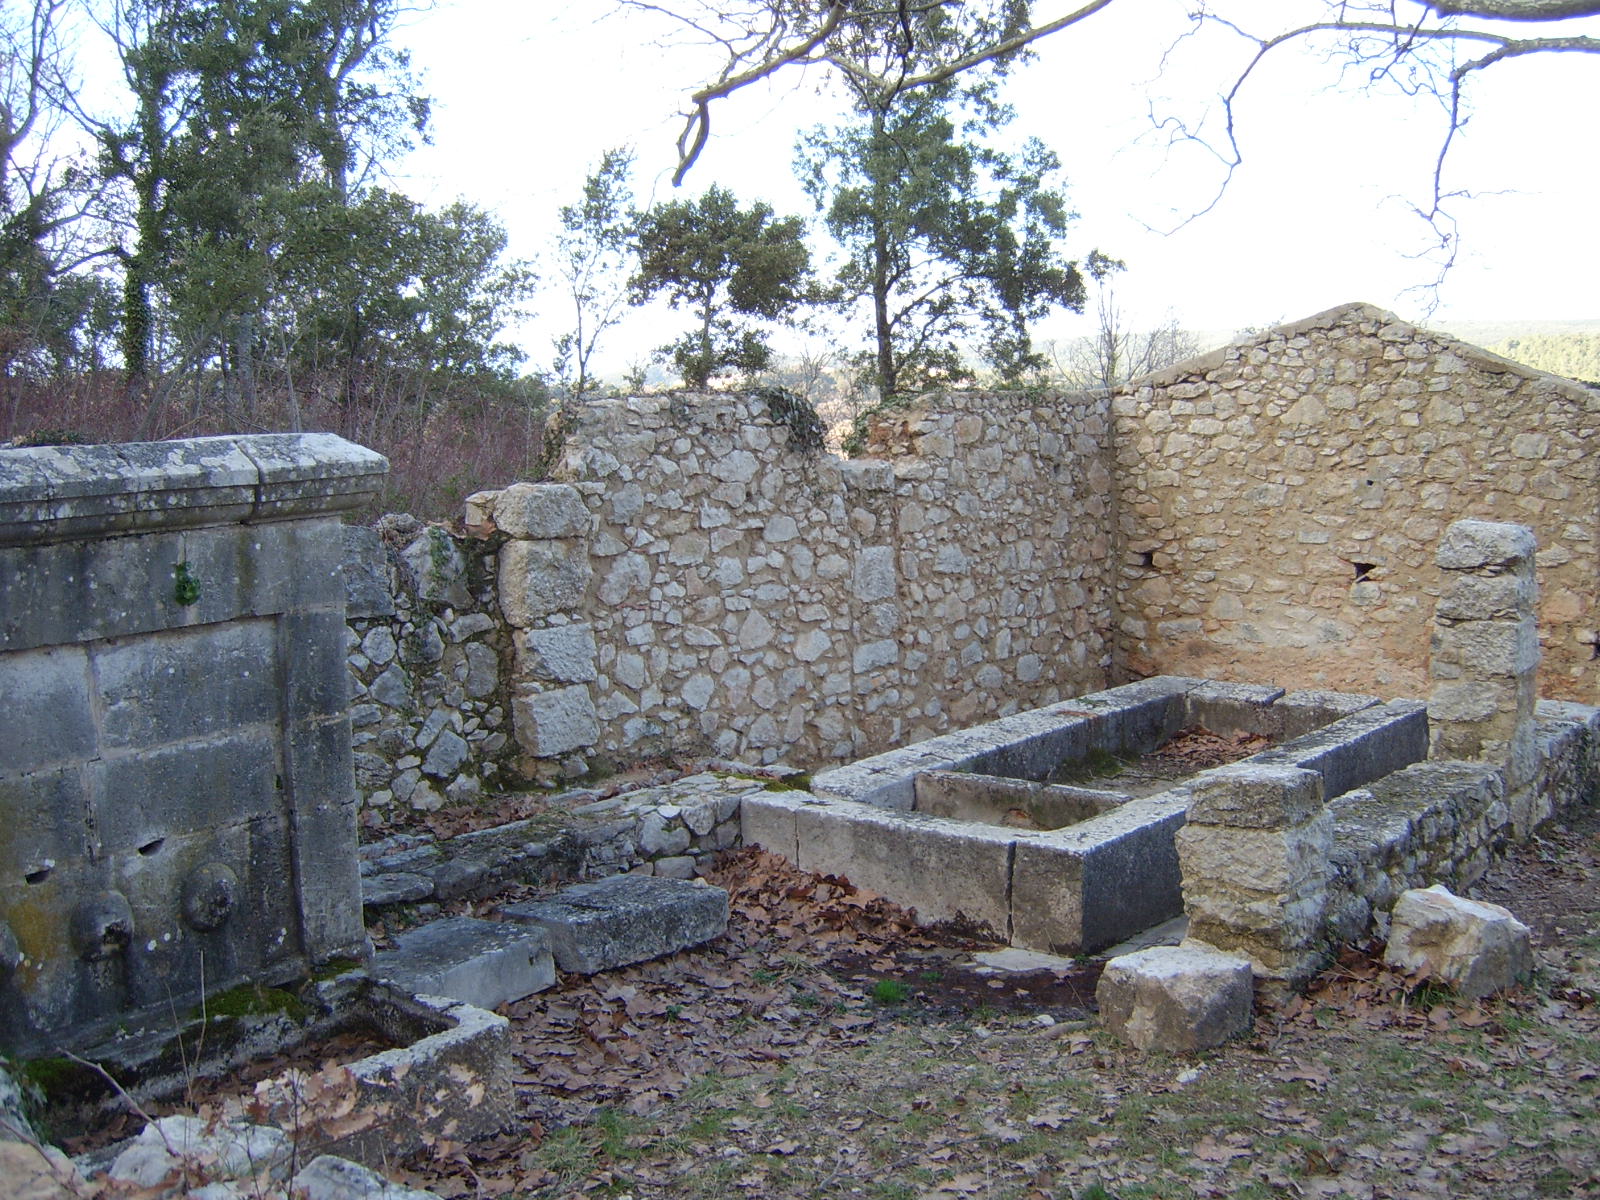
[(890, 991)]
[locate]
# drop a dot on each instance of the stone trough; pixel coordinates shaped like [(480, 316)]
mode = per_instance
[(924, 824)]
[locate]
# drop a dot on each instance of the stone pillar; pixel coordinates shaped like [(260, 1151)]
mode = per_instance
[(545, 573), (1485, 651), (1255, 855)]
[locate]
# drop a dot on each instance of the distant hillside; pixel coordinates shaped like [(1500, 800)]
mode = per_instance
[(1490, 334), (1575, 355)]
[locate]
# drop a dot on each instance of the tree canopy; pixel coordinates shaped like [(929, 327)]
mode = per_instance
[(728, 265)]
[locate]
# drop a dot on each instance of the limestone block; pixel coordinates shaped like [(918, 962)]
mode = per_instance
[(875, 577), (625, 919), (438, 568), (1176, 998), (540, 578), (1472, 545), (1251, 796), (1474, 947), (366, 582), (1276, 861), (38, 1173), (1487, 649), (943, 869), (482, 963), (230, 1149), (541, 510), (331, 1178), (562, 653), (555, 722), (1472, 597)]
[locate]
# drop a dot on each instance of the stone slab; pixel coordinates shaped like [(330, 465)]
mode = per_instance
[(481, 963), (625, 919)]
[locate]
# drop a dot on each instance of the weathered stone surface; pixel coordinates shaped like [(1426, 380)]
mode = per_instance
[(394, 887), (229, 1149), (1474, 947), (1374, 434), (331, 1178), (366, 586), (556, 722), (14, 1124), (31, 1172), (1472, 545), (625, 919), (481, 963), (438, 568), (1176, 998), (541, 510), (561, 653), (541, 578), (1250, 796)]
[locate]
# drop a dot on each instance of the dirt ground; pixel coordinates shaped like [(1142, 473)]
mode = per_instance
[(827, 1047)]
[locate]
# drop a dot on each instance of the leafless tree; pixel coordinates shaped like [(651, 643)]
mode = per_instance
[(1433, 47), (1116, 352)]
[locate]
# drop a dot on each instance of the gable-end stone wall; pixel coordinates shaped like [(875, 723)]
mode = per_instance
[(701, 584), (1279, 501)]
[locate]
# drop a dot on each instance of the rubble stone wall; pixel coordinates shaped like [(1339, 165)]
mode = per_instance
[(700, 583), (429, 666), (1279, 502)]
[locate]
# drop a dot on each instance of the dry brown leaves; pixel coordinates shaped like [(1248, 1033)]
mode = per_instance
[(1199, 749), (746, 1003)]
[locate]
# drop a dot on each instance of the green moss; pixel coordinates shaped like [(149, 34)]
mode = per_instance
[(334, 968), (252, 1000), (790, 783), (53, 1079)]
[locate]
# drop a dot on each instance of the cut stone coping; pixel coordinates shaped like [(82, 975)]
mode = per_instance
[(482, 963), (1083, 887), (625, 919), (56, 493)]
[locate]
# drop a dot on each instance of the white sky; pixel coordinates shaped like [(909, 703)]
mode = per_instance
[(528, 95)]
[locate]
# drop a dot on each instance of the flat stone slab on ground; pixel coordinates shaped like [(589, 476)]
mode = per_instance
[(483, 963), (1186, 997), (624, 919)]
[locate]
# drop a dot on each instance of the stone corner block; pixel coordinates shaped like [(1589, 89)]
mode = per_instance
[(541, 510), (556, 722), (625, 919), (1475, 948), (482, 963), (541, 577), (564, 653), (1471, 545), (1252, 796), (1176, 998)]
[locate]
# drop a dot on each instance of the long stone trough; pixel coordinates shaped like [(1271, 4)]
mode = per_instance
[(925, 824)]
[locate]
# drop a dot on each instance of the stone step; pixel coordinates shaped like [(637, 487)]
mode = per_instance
[(624, 919), (483, 963)]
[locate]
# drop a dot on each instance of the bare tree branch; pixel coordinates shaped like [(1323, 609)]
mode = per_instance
[(1516, 10)]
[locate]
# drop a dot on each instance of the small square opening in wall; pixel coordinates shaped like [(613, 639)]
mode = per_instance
[(1144, 558), (1363, 570), (1594, 651)]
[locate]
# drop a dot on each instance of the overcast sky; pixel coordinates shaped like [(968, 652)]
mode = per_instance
[(527, 98)]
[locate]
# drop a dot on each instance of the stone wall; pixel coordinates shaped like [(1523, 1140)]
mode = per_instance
[(702, 585), (427, 652), (1279, 501)]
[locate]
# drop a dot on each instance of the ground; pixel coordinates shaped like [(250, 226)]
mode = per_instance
[(826, 1047)]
